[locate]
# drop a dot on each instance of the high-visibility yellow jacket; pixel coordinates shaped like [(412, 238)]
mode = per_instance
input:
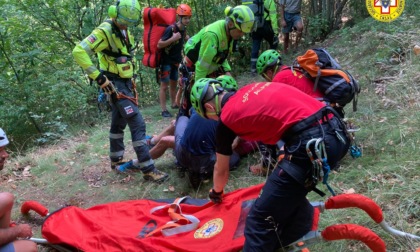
[(115, 54), (209, 49)]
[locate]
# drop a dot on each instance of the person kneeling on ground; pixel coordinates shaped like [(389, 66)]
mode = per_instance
[(193, 143), (270, 112)]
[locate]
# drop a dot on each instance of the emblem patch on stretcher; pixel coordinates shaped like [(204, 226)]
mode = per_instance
[(209, 229)]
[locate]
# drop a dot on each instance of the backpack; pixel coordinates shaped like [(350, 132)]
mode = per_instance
[(155, 22), (257, 7), (337, 84)]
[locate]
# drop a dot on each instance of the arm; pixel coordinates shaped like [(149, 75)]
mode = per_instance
[(208, 50), (11, 234), (82, 52), (283, 22), (224, 140), (221, 172), (168, 38), (273, 16)]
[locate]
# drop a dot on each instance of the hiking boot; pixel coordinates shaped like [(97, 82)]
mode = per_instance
[(155, 175), (166, 113), (114, 164)]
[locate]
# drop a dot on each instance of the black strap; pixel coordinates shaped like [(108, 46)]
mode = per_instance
[(301, 176)]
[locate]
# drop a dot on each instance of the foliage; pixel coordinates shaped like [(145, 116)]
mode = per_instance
[(76, 171), (42, 89)]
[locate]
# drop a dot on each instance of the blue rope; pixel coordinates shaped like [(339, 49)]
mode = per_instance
[(326, 168)]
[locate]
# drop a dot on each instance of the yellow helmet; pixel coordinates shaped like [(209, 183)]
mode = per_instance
[(242, 16)]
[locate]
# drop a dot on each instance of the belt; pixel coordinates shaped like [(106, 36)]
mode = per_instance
[(320, 117)]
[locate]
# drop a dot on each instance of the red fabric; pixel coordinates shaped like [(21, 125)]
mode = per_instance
[(264, 111), (118, 226), (155, 22), (298, 80), (356, 200), (354, 232)]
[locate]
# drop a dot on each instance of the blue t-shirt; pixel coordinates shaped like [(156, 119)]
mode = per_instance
[(199, 136)]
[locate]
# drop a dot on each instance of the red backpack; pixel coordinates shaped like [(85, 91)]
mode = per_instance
[(155, 22)]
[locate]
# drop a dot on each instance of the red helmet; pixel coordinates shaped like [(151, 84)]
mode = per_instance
[(184, 10)]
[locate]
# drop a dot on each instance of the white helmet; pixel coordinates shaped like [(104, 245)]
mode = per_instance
[(3, 138)]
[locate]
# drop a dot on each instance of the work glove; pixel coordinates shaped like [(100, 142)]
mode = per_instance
[(104, 83), (275, 40), (216, 197)]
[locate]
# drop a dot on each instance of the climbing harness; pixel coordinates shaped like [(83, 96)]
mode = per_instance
[(320, 166)]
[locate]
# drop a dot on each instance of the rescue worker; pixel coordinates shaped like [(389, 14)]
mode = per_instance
[(206, 52), (9, 234), (171, 44), (268, 112), (269, 32), (270, 67), (114, 45)]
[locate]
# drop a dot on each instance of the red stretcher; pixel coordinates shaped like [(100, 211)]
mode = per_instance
[(190, 224)]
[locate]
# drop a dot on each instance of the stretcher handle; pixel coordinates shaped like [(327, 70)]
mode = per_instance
[(354, 232), (356, 200), (370, 207), (35, 206)]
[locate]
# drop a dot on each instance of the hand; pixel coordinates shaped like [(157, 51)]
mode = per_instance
[(103, 82), (216, 197), (176, 36), (25, 231)]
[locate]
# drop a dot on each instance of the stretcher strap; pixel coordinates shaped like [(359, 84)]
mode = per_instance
[(180, 223)]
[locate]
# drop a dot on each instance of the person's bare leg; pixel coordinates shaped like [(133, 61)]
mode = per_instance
[(168, 131), (299, 29), (285, 42), (162, 95), (172, 92), (159, 149), (6, 205)]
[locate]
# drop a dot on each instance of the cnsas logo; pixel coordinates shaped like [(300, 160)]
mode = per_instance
[(385, 10)]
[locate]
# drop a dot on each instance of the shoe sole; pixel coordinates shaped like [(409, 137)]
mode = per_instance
[(163, 179)]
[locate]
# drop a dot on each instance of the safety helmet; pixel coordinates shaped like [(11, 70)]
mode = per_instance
[(242, 17), (184, 10), (199, 91), (3, 138), (267, 59), (228, 82), (126, 12)]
